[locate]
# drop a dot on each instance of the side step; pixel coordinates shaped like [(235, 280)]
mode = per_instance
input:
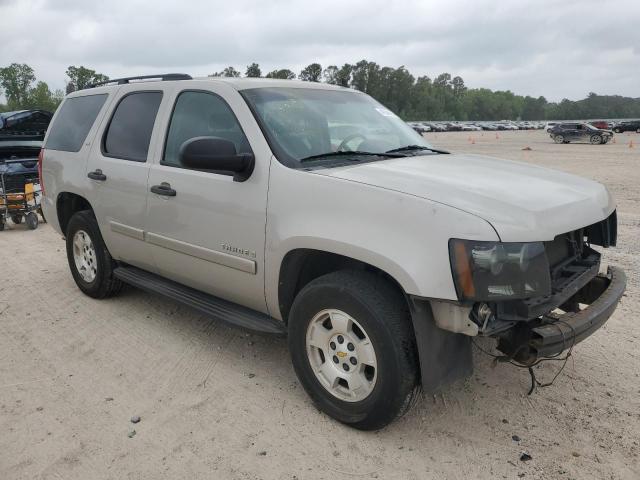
[(204, 303)]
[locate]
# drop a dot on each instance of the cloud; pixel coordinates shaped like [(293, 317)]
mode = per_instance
[(542, 47)]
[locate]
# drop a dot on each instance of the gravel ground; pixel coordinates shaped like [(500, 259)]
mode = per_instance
[(215, 402)]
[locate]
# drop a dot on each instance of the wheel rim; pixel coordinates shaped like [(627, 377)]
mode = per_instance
[(559, 138), (84, 256), (595, 139), (341, 355)]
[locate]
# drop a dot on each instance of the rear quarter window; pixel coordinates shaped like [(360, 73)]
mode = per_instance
[(72, 124), (129, 132)]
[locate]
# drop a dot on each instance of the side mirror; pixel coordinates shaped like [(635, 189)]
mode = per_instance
[(217, 155)]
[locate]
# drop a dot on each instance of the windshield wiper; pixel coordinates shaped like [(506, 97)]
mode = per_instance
[(355, 153), (408, 148)]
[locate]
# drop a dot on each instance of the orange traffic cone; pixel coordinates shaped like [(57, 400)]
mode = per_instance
[(473, 141), (497, 136), (631, 145), (613, 140), (469, 139)]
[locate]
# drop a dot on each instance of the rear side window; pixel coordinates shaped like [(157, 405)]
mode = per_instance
[(129, 131), (73, 122)]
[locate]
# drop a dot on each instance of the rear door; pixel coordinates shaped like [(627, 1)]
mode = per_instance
[(117, 173), (570, 132), (582, 133), (210, 235)]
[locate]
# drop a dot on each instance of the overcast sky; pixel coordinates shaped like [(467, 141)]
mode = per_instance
[(559, 49)]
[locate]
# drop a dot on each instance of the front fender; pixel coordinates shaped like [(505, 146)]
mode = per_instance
[(403, 235)]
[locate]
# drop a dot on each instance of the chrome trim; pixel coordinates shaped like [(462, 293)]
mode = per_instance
[(132, 232), (213, 256)]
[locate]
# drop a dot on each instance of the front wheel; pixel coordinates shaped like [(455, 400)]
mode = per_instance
[(89, 260), (596, 140), (353, 348)]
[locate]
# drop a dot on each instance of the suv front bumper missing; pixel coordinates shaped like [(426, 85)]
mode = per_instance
[(553, 333)]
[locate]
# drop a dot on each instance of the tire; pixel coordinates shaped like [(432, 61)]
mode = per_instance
[(93, 273), (16, 219), (617, 130), (596, 140), (558, 139), (1, 224), (31, 219), (378, 313)]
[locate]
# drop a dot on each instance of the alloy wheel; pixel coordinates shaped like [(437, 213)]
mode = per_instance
[(341, 355)]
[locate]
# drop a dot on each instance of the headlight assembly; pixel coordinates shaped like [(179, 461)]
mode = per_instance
[(492, 271)]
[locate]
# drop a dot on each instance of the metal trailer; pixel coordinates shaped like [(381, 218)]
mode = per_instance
[(20, 196)]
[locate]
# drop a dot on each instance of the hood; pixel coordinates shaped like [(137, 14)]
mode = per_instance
[(522, 202)]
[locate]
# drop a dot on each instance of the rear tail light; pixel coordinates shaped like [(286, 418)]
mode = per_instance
[(40, 158)]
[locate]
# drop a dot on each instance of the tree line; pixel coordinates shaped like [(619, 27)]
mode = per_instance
[(412, 98)]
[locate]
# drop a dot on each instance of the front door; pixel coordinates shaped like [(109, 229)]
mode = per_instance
[(208, 231), (117, 173)]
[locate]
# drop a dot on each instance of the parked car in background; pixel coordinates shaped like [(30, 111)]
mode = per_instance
[(454, 127), (549, 126), (627, 126), (580, 132), (601, 124), (24, 122), (419, 127)]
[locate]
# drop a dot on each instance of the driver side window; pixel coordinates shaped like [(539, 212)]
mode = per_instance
[(201, 114)]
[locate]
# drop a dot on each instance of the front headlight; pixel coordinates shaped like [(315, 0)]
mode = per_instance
[(491, 271)]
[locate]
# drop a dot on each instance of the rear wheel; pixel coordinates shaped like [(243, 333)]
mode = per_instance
[(31, 220), (89, 260), (353, 348), (16, 219), (558, 138), (596, 139)]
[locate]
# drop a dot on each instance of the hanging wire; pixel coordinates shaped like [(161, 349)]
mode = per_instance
[(534, 381)]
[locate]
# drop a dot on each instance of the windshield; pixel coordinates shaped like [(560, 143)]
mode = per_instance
[(301, 122)]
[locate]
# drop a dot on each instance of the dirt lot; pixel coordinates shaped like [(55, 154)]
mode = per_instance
[(216, 402)]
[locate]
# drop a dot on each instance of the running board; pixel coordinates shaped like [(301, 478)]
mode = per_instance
[(204, 303)]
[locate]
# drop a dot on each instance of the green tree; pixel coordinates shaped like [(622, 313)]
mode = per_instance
[(82, 77), (330, 75), (283, 73), (253, 71), (41, 98), (227, 72), (311, 73), (16, 81)]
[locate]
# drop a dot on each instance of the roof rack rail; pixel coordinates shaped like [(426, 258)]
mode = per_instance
[(162, 76)]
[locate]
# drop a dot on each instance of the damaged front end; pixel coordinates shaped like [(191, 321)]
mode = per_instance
[(537, 299), (578, 300)]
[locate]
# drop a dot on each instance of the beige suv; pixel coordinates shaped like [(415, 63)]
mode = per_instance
[(309, 210)]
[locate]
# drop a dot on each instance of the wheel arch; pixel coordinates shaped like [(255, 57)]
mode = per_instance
[(68, 203), (302, 265)]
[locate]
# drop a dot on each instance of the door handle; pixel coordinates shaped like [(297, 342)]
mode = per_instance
[(97, 175), (163, 189)]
